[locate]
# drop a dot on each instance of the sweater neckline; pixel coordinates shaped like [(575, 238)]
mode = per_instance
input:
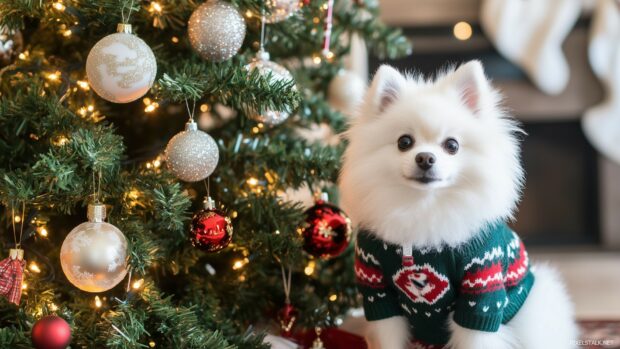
[(476, 241)]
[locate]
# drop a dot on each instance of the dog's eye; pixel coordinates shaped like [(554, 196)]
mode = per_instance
[(405, 142), (451, 146)]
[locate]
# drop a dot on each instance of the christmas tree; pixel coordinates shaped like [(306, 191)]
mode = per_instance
[(86, 116)]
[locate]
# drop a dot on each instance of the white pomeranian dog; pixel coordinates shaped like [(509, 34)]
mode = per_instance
[(430, 176)]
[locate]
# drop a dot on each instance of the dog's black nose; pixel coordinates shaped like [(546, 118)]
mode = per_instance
[(425, 160)]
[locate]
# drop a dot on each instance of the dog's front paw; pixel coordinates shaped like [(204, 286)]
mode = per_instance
[(390, 333), (465, 338)]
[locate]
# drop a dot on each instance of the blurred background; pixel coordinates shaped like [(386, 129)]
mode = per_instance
[(557, 62)]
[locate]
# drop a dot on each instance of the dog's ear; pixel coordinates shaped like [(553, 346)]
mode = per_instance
[(471, 84), (385, 88)]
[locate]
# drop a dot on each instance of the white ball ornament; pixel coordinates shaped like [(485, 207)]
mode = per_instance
[(265, 67), (346, 91), (216, 30), (121, 67), (94, 254), (192, 155)]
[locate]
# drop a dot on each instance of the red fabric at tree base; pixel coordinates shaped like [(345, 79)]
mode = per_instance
[(594, 335)]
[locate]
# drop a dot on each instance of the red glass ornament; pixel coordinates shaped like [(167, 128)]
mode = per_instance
[(51, 332), (327, 230), (211, 230), (287, 316)]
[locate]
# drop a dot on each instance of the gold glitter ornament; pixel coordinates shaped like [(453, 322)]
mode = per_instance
[(121, 67), (278, 73), (216, 30), (94, 254), (280, 10), (192, 155)]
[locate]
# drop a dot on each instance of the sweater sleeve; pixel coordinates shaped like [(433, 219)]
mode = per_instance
[(482, 294), (380, 301)]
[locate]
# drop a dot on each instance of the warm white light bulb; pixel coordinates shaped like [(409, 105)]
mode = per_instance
[(462, 31)]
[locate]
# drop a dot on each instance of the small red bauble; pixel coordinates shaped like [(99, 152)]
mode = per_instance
[(287, 316), (51, 332), (327, 230), (210, 230)]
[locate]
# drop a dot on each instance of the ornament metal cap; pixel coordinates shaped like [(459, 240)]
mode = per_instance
[(16, 253), (209, 203), (317, 343), (96, 213), (262, 55), (324, 197), (191, 126), (123, 28)]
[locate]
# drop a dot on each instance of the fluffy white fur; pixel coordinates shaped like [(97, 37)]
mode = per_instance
[(543, 322), (480, 183), (389, 333), (382, 190)]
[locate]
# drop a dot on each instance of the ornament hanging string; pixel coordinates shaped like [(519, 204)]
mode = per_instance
[(207, 183), (262, 30), (286, 283), (130, 10), (129, 281), (127, 289), (328, 28), (96, 187), (17, 241), (287, 316), (191, 111)]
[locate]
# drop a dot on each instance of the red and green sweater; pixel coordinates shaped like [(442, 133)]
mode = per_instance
[(483, 281)]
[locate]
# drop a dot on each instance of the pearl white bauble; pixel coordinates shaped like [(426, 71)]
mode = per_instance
[(278, 73), (216, 30), (192, 155), (121, 67), (346, 91), (280, 9), (94, 254)]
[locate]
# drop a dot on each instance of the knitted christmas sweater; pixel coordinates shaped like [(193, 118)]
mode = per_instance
[(483, 281)]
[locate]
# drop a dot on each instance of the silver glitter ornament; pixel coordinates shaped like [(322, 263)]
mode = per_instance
[(121, 67), (278, 73), (192, 155), (11, 44), (280, 10), (94, 254), (216, 30)]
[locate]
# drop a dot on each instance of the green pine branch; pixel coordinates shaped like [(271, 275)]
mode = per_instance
[(56, 135)]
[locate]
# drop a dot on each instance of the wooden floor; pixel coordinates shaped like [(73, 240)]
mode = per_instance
[(592, 278)]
